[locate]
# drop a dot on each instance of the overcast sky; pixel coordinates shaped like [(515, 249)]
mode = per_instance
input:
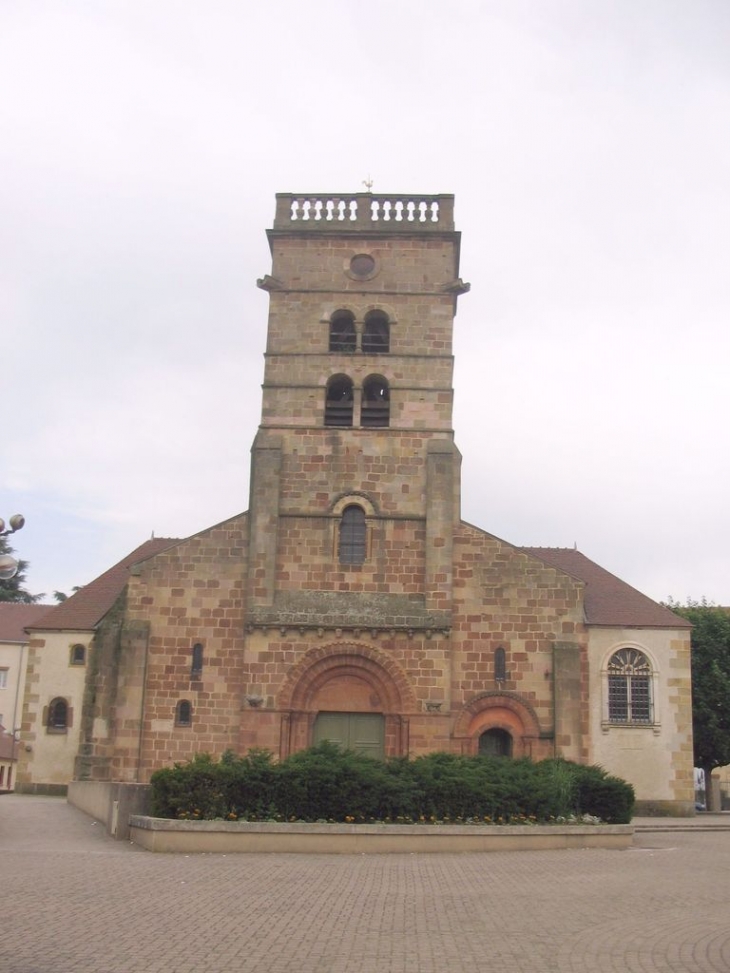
[(588, 145)]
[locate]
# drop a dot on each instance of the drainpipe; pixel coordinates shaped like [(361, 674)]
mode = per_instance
[(16, 729), (553, 693)]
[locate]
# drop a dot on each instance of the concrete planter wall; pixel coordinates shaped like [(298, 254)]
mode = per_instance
[(111, 803), (159, 834)]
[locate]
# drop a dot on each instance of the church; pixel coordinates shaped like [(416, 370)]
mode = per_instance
[(351, 602)]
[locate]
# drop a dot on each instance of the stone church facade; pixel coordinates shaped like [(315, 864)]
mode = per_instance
[(350, 601)]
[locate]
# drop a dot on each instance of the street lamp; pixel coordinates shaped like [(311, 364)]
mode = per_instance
[(8, 564)]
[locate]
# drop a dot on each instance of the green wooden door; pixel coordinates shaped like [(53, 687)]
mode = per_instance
[(361, 732)]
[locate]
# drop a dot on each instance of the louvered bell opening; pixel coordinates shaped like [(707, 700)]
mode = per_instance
[(375, 414), (338, 403), (375, 408)]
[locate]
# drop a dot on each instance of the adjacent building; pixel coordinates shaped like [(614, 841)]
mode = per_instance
[(14, 617), (59, 657)]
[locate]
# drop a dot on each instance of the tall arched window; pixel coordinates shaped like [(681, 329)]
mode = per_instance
[(338, 402), (342, 332), (376, 334), (375, 406), (351, 547), (629, 687)]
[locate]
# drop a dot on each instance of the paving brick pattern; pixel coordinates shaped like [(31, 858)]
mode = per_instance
[(75, 901)]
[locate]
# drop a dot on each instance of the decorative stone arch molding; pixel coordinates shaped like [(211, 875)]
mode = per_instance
[(387, 309), (330, 309), (358, 311), (629, 644), (371, 513), (382, 688), (498, 711), (343, 500)]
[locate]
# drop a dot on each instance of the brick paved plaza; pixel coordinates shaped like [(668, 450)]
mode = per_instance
[(76, 901)]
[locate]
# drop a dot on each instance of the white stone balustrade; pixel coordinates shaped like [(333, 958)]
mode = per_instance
[(361, 211)]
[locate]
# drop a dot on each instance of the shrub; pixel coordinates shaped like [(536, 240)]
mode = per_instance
[(599, 793), (325, 783)]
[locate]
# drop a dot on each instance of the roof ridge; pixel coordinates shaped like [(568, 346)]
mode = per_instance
[(84, 609)]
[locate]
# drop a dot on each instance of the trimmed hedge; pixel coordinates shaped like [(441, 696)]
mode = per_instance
[(325, 783)]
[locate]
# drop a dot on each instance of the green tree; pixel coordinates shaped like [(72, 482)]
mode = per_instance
[(61, 596), (710, 686), (13, 589)]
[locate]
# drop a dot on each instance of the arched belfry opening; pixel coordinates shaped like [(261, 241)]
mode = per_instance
[(376, 334), (339, 402), (343, 337), (375, 408)]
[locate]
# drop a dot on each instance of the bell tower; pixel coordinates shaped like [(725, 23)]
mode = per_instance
[(355, 475)]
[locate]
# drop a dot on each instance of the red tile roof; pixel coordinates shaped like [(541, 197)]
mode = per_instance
[(14, 617), (608, 600), (84, 610)]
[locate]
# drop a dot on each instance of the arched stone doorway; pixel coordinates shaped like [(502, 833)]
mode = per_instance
[(356, 696), (499, 724)]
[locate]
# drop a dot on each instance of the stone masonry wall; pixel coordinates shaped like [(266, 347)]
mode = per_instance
[(504, 598), (193, 593)]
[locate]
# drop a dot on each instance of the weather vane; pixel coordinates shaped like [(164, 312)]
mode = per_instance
[(368, 183)]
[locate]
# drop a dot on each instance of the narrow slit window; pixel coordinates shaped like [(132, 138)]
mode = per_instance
[(500, 664), (196, 663)]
